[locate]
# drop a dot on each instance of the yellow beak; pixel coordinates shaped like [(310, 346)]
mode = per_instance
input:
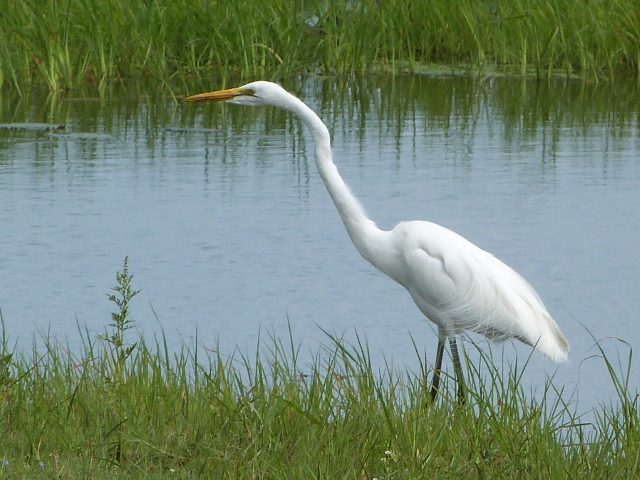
[(217, 96)]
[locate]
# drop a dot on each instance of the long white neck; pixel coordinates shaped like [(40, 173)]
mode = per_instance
[(364, 233)]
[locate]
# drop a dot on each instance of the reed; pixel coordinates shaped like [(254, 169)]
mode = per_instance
[(172, 44), (141, 411)]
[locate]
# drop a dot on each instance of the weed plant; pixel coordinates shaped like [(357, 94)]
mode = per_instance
[(177, 43), (139, 411)]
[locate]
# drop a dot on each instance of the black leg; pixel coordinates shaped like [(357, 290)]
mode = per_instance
[(435, 383), (458, 368)]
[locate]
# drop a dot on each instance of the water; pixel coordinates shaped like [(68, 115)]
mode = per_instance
[(231, 235)]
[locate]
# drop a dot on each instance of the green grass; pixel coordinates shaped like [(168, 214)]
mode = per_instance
[(63, 44), (137, 410)]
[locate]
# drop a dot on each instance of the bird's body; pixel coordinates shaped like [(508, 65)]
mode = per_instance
[(459, 287), (454, 283)]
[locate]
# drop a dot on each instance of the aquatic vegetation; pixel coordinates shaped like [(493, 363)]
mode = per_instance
[(143, 411), (64, 45)]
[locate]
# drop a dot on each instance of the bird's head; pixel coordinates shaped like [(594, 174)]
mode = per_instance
[(252, 94)]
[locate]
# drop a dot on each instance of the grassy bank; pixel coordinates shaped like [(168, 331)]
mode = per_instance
[(138, 411), (66, 44)]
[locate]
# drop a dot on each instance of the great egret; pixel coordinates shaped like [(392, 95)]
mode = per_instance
[(454, 283)]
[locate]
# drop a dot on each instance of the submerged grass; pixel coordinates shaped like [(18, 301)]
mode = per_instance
[(175, 43), (140, 411)]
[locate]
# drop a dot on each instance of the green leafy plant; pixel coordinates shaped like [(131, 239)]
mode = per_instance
[(119, 352), (121, 320)]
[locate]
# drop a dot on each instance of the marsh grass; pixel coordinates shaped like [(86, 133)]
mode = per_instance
[(138, 410), (177, 43)]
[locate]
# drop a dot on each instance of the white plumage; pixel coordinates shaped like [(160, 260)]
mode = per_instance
[(455, 284)]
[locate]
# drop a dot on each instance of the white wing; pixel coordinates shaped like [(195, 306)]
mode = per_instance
[(459, 286)]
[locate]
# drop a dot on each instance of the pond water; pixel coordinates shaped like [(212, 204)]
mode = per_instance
[(231, 235)]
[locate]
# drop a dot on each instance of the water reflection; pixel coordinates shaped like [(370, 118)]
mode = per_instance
[(229, 229)]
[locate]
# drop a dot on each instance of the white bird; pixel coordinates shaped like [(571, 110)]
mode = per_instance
[(454, 283)]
